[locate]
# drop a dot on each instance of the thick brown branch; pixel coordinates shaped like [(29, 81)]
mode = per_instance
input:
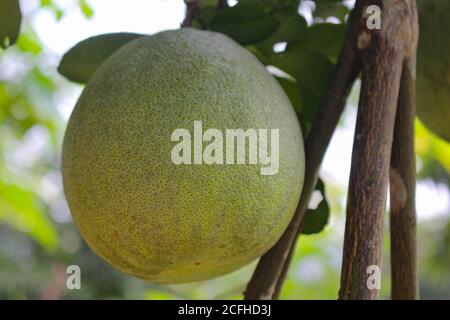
[(193, 10), (383, 52), (369, 175), (405, 282), (268, 277)]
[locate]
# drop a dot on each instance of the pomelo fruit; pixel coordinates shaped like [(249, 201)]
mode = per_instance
[(171, 223), (433, 66)]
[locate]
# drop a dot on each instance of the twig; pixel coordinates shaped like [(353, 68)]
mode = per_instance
[(193, 10), (382, 52), (284, 271), (405, 282), (269, 274)]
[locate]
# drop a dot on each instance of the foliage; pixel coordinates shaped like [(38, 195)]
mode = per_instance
[(247, 22), (316, 219), (81, 62), (36, 235), (10, 19)]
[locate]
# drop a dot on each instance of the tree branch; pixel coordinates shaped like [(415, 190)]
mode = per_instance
[(285, 270), (382, 52), (193, 10), (405, 281), (271, 270)]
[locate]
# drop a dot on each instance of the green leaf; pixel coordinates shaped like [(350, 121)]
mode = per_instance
[(247, 22), (86, 9), (57, 11), (281, 4), (310, 61), (309, 107), (326, 38), (10, 20), (20, 209), (316, 220), (42, 81), (262, 56), (209, 9), (330, 8), (312, 69), (291, 89), (82, 60), (28, 42), (292, 28)]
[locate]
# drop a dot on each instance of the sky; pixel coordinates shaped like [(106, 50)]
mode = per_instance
[(148, 17)]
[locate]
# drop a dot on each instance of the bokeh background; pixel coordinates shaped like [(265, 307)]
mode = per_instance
[(38, 239)]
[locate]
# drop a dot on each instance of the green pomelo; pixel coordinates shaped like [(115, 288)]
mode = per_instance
[(433, 66), (172, 223)]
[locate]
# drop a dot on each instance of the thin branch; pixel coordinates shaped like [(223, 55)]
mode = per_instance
[(404, 271), (272, 267), (193, 10), (284, 272), (382, 52)]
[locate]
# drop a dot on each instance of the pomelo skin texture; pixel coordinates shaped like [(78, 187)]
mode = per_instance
[(170, 223), (433, 66)]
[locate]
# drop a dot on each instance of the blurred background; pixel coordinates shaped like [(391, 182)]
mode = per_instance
[(38, 239)]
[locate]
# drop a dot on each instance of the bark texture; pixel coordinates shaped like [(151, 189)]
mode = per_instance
[(404, 270), (383, 53)]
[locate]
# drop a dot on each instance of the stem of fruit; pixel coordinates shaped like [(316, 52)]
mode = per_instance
[(272, 268), (404, 271), (193, 10), (382, 54)]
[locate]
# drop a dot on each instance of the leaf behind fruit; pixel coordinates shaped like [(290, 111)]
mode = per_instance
[(10, 19), (82, 60), (247, 22)]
